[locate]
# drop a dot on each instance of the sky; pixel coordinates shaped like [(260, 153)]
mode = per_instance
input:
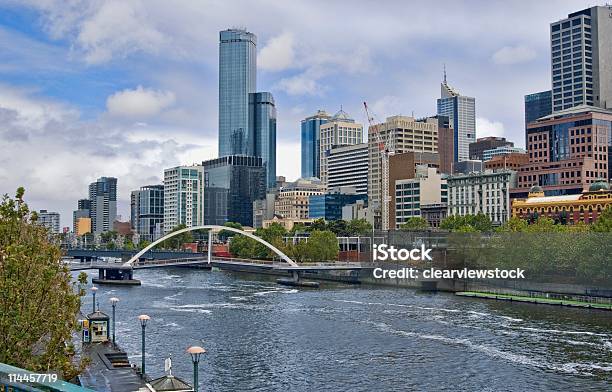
[(127, 88)]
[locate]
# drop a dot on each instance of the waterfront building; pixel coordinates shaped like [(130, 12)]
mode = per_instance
[(468, 166), (568, 150), (513, 161), (347, 166), (231, 185), (566, 209), (262, 120), (461, 111), (405, 134), (581, 54), (329, 205), (147, 212), (237, 79), (183, 190), (537, 105), (103, 204), (50, 220), (487, 192), (340, 130), (311, 147), (483, 144), (292, 201), (427, 187), (487, 155)]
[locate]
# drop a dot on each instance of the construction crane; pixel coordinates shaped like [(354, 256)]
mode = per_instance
[(386, 148)]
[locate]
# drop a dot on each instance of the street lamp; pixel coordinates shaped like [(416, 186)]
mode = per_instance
[(195, 352), (143, 322), (114, 301), (93, 291)]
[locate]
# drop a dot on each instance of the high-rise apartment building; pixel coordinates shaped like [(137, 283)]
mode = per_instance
[(231, 185), (347, 166), (262, 120), (340, 130), (461, 111), (183, 195), (51, 220), (537, 105), (581, 54), (82, 212), (103, 204), (310, 143), (237, 79), (147, 212), (487, 143)]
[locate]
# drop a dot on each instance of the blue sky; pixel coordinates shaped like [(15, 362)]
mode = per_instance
[(127, 88)]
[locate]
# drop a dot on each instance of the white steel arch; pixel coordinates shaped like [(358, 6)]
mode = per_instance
[(283, 256)]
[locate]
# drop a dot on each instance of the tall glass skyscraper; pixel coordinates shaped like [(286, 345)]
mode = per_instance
[(311, 145), (262, 116), (461, 112), (237, 79), (537, 105)]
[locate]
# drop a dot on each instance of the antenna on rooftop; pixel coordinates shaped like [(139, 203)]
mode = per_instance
[(444, 73)]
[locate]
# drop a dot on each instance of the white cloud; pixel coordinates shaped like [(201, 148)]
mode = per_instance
[(139, 103), (278, 54), (486, 127), (301, 84), (514, 55)]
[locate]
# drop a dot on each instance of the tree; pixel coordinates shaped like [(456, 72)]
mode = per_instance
[(143, 244), (339, 227), (514, 224), (178, 240), (416, 223), (108, 236), (603, 224), (318, 224), (322, 246), (38, 300), (224, 235), (357, 227)]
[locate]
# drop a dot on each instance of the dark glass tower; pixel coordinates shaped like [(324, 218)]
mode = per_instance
[(310, 143), (262, 120)]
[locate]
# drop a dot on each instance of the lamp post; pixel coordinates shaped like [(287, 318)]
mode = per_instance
[(143, 322), (195, 352), (114, 301), (93, 291)]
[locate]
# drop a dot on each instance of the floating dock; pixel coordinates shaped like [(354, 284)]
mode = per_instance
[(535, 300)]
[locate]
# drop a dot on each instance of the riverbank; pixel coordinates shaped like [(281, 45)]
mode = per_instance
[(534, 300)]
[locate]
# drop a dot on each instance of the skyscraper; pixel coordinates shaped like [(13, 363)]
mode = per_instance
[(537, 105), (103, 204), (262, 120), (461, 112), (310, 143), (237, 79), (51, 220), (183, 186), (147, 212), (581, 53)]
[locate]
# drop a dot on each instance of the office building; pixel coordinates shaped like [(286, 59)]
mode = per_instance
[(347, 166), (183, 195), (311, 131), (292, 201), (487, 192), (147, 212), (565, 209), (537, 105), (50, 220), (468, 166), (427, 187), (487, 155), (511, 161), (329, 205), (103, 204), (568, 150), (581, 59), (237, 79), (357, 210), (231, 185), (482, 144), (446, 144), (461, 111), (263, 209), (262, 117), (340, 130)]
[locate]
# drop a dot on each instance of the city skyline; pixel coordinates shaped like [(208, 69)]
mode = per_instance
[(90, 95)]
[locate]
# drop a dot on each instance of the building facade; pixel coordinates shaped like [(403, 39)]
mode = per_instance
[(347, 166), (237, 79), (263, 209), (147, 212), (231, 185), (581, 58), (468, 166), (50, 220), (183, 195), (483, 144), (487, 193), (262, 118), (446, 144), (329, 205), (504, 150), (103, 204), (427, 188), (537, 105), (82, 211), (292, 201), (512, 161), (340, 130), (461, 111), (311, 147)]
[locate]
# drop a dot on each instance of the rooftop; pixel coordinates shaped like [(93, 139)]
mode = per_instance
[(580, 109)]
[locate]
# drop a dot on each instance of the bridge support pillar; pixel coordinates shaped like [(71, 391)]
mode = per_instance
[(296, 276), (123, 276)]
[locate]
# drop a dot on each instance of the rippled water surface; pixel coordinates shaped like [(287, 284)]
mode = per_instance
[(261, 336)]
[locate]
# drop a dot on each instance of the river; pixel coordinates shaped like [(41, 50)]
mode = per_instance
[(261, 336)]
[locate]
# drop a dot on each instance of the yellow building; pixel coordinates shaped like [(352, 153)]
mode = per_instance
[(570, 209), (83, 226), (292, 201)]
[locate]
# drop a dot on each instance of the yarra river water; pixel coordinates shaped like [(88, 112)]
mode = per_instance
[(261, 336)]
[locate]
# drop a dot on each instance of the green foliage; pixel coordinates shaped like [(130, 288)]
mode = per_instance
[(467, 223), (359, 227), (224, 235), (143, 244), (603, 224), (416, 223), (318, 224), (38, 300), (108, 236), (339, 227), (178, 240), (321, 246)]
